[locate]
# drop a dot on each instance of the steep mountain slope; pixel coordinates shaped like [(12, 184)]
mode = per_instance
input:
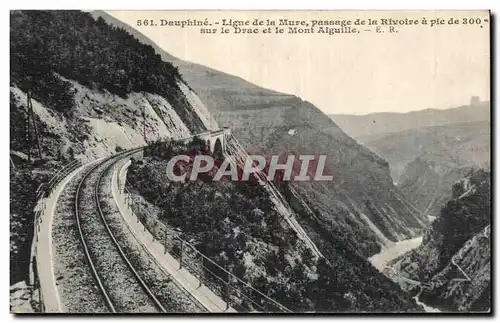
[(425, 162), (204, 79), (95, 90), (455, 256), (348, 219), (361, 201), (449, 146), (361, 192), (428, 184), (366, 126), (240, 228)]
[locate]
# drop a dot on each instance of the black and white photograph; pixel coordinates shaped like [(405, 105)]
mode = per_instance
[(250, 162)]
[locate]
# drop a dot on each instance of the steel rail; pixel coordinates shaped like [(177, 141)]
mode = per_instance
[(115, 241), (109, 303)]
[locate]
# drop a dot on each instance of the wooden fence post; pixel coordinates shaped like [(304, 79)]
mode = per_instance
[(166, 241), (228, 298), (201, 270), (180, 257)]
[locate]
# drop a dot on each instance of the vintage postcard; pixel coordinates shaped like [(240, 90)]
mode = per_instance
[(250, 162)]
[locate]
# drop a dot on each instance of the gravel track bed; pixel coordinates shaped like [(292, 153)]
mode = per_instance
[(122, 286), (172, 297), (76, 285)]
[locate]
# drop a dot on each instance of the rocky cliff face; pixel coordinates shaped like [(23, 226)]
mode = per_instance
[(348, 219), (466, 279), (361, 200), (455, 256), (102, 123), (253, 231), (426, 161), (443, 155), (108, 92), (450, 146), (90, 99), (428, 184)]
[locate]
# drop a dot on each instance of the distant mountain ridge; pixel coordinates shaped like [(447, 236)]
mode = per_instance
[(350, 218), (426, 161), (427, 150), (191, 72), (262, 119), (457, 144), (364, 127)]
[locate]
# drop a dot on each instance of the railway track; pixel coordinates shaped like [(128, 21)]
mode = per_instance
[(102, 266), (120, 284), (108, 265), (88, 226)]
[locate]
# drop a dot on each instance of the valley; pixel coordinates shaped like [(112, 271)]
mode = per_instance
[(399, 207), (440, 161), (417, 158), (382, 259), (393, 251)]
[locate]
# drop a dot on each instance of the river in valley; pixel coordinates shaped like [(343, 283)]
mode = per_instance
[(393, 251)]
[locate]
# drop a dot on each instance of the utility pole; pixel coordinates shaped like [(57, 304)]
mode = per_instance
[(144, 124), (29, 135)]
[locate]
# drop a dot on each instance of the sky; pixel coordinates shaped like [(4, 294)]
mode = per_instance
[(419, 67)]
